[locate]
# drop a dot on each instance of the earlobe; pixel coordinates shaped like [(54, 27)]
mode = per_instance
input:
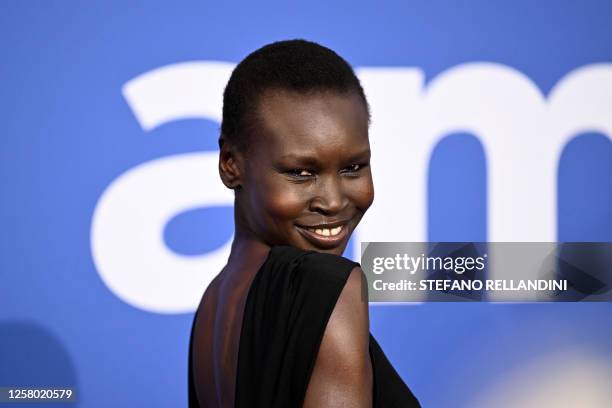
[(229, 170)]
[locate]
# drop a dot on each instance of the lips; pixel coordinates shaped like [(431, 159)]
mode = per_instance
[(325, 236)]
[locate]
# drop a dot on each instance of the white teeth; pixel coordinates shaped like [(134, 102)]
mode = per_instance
[(326, 232)]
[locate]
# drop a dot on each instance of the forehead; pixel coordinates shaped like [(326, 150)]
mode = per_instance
[(324, 124)]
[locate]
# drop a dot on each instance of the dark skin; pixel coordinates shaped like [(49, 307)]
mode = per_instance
[(305, 183)]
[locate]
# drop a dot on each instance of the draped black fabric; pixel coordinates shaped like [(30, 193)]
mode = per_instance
[(288, 305)]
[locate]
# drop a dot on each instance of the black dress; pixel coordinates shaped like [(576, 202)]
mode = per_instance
[(288, 305)]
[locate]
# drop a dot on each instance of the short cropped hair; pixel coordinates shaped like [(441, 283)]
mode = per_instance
[(294, 65)]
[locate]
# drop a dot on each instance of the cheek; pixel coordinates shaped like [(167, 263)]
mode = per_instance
[(280, 201), (363, 193)]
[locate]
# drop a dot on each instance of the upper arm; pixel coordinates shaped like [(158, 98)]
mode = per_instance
[(342, 374)]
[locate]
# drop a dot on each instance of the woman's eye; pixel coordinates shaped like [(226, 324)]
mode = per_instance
[(300, 173), (354, 168)]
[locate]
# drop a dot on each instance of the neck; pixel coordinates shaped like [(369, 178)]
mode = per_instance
[(247, 248)]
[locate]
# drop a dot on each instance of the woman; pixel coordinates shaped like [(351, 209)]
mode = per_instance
[(285, 323)]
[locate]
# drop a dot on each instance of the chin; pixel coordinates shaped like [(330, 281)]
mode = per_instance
[(334, 251)]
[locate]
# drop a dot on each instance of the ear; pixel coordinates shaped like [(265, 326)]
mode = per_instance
[(229, 168)]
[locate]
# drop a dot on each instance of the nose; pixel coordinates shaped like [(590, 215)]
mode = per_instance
[(329, 197)]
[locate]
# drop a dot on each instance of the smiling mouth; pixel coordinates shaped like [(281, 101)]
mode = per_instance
[(325, 238)]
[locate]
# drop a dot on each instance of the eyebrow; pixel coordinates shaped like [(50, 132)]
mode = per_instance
[(307, 160), (311, 160)]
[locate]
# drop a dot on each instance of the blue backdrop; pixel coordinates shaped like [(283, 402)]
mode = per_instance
[(68, 133)]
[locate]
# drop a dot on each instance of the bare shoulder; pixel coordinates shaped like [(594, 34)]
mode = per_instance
[(210, 294), (342, 375)]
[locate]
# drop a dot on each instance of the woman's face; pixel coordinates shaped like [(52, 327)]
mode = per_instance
[(306, 179)]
